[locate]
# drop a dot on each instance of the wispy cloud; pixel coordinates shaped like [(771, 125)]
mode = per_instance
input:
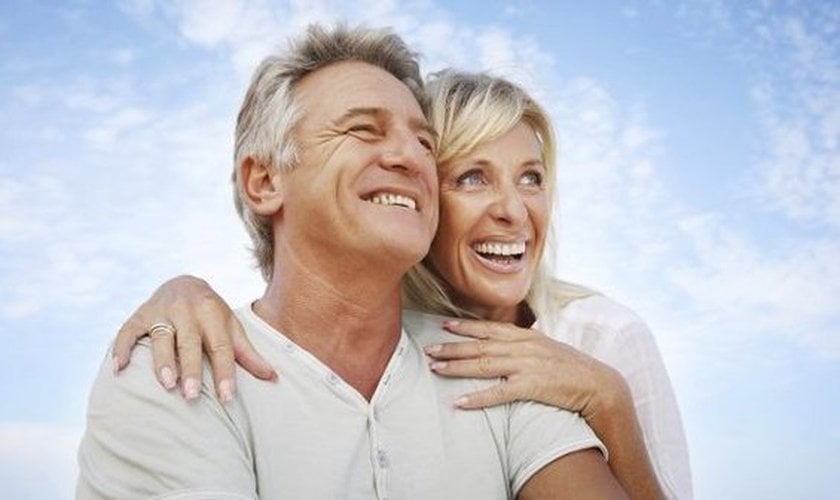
[(789, 291), (625, 228), (800, 109), (27, 450), (117, 167)]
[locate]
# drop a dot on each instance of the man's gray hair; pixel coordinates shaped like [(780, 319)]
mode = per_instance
[(270, 111)]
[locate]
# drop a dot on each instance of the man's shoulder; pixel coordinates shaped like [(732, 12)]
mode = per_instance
[(142, 438), (427, 328), (272, 344)]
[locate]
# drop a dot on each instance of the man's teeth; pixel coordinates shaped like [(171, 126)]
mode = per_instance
[(393, 199), (505, 249)]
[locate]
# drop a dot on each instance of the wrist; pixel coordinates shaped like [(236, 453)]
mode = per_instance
[(612, 397)]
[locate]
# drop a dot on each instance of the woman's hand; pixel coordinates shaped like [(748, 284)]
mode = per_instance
[(202, 322), (536, 368)]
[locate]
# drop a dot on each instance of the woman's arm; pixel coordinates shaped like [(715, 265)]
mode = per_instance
[(632, 351), (203, 322), (539, 368)]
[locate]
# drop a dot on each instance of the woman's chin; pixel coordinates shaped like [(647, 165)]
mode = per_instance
[(496, 304)]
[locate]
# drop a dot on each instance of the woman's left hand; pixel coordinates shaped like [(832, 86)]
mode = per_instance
[(538, 368), (535, 367)]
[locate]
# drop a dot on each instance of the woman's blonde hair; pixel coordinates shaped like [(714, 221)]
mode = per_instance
[(468, 110)]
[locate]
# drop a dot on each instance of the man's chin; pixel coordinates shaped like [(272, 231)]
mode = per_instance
[(403, 255)]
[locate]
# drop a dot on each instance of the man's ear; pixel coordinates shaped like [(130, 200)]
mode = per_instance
[(262, 186)]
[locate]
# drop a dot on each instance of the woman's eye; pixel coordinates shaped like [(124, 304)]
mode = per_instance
[(532, 178), (471, 178)]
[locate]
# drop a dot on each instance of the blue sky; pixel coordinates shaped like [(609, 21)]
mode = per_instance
[(699, 184)]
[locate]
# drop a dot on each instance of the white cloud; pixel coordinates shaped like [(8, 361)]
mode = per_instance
[(249, 29), (699, 276), (800, 178), (79, 94), (88, 229), (58, 256), (17, 222), (795, 62), (630, 12), (112, 128), (140, 9), (800, 109), (209, 27), (30, 94), (620, 225), (84, 226), (496, 50), (123, 56), (38, 460), (788, 291)]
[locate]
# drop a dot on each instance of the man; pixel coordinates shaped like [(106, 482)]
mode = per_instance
[(336, 183)]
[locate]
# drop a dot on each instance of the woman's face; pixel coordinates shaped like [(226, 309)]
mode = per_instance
[(493, 222)]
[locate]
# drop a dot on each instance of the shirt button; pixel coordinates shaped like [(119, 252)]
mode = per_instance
[(382, 458), (332, 378)]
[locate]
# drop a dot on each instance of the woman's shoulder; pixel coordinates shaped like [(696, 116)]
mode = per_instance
[(592, 322), (576, 303)]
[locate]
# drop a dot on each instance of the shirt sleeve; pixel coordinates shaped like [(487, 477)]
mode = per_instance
[(142, 441), (539, 434), (632, 351)]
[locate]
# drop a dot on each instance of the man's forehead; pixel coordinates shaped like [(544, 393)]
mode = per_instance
[(356, 84), (352, 88)]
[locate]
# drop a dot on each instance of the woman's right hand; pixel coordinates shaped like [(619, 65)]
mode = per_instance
[(203, 322)]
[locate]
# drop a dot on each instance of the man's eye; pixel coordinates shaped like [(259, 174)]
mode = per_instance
[(532, 178), (363, 128), (471, 178), (426, 143)]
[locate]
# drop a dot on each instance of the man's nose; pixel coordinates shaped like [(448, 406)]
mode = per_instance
[(404, 153)]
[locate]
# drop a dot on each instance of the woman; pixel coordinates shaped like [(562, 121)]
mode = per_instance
[(495, 160)]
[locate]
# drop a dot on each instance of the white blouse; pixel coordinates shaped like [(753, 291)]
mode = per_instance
[(616, 336)]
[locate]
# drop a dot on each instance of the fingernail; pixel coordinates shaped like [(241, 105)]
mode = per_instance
[(167, 377), (461, 402), (226, 390), (451, 322), (191, 388), (115, 364), (432, 348), (438, 365)]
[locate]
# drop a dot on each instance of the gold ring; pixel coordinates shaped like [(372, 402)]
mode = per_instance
[(159, 329)]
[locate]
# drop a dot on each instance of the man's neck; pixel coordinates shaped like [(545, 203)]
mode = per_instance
[(352, 326)]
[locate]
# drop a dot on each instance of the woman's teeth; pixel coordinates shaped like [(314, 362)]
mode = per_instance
[(504, 253), (500, 249)]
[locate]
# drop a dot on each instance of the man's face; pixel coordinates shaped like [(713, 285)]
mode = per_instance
[(366, 182)]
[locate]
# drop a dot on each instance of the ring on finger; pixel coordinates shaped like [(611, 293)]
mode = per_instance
[(159, 329)]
